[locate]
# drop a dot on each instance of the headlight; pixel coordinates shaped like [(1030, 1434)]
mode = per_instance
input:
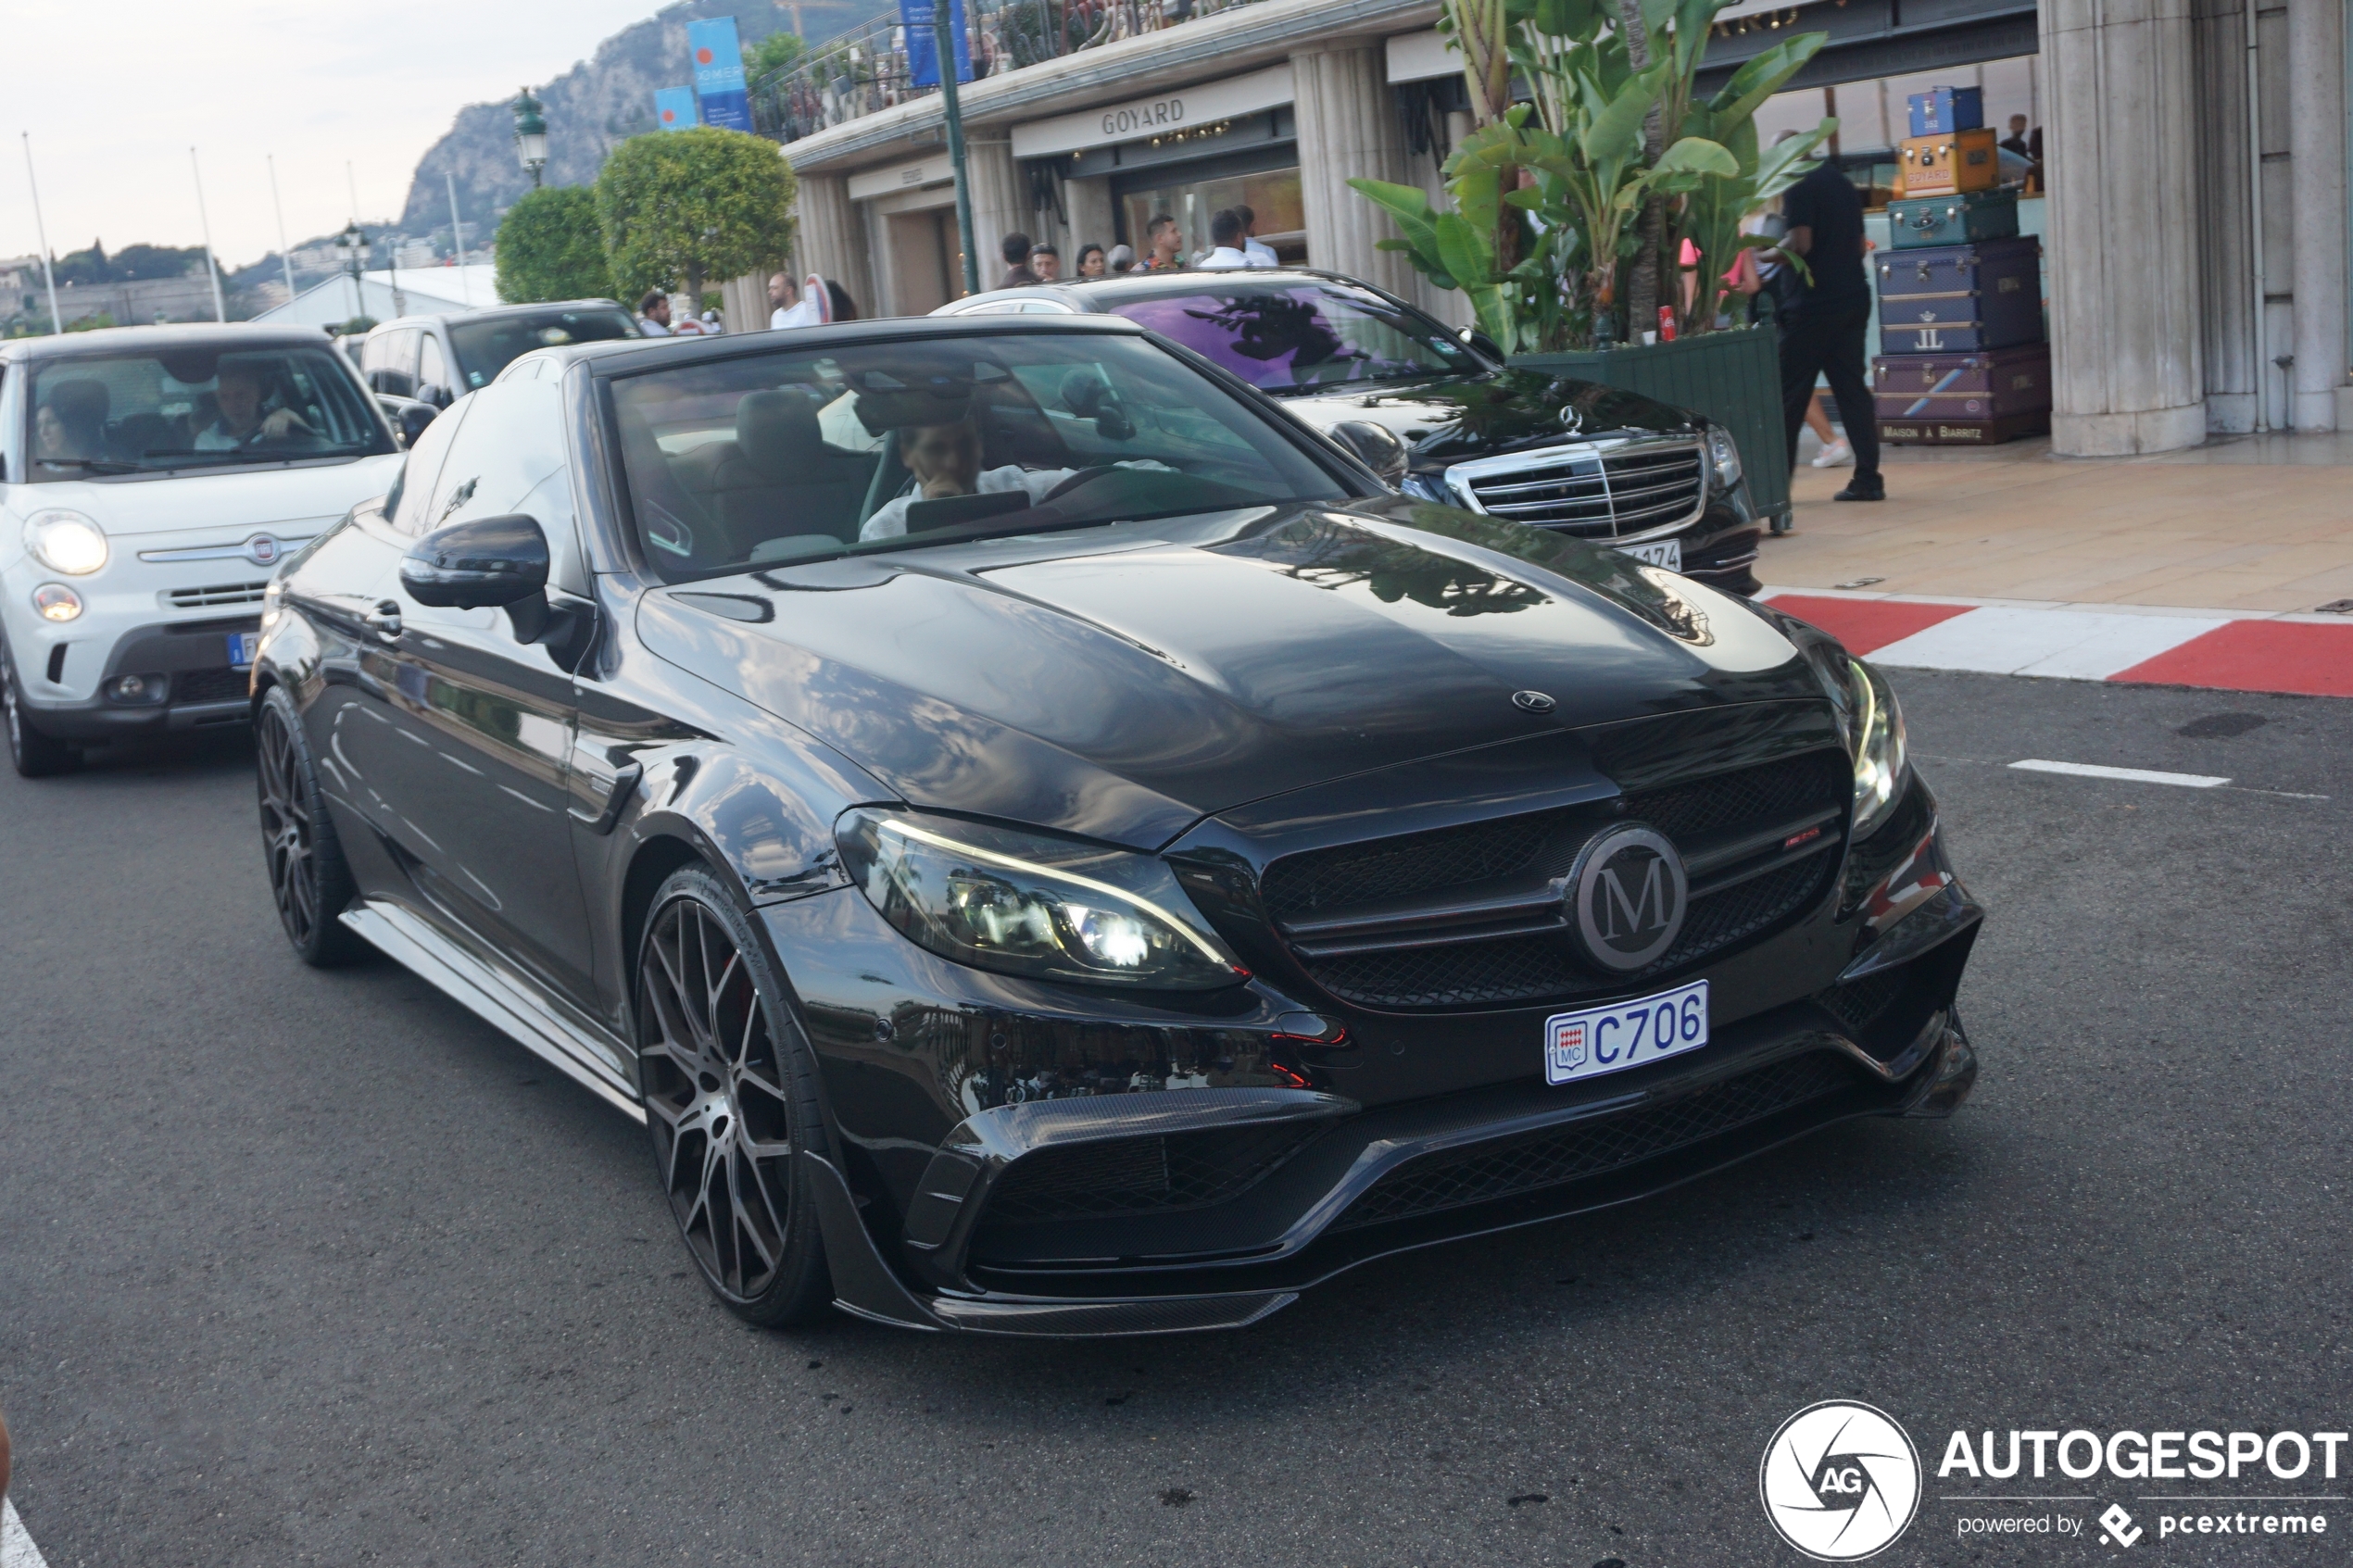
[(1025, 904), (1875, 738), (66, 541), (1725, 454)]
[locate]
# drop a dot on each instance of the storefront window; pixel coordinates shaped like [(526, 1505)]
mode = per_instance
[(1273, 198)]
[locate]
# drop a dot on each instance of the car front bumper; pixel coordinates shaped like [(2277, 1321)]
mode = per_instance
[(977, 1173)]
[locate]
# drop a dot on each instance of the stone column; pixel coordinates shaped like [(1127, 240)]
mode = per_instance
[(831, 239), (2126, 365), (1001, 206), (1348, 127), (2316, 131), (1091, 216)]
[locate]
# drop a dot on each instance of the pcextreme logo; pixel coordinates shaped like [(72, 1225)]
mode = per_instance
[(1839, 1481)]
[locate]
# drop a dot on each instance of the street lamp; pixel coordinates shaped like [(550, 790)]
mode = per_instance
[(354, 245), (531, 135)]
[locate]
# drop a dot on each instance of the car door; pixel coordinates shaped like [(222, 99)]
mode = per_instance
[(480, 724), (433, 383)]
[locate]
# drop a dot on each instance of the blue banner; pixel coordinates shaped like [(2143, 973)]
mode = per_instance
[(674, 108), (719, 72), (923, 45)]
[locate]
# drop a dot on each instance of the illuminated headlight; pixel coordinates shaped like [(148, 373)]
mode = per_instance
[(1724, 455), (272, 598), (56, 602), (1025, 904), (1875, 738), (66, 541)]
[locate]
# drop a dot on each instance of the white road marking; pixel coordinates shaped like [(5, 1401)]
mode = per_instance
[(2069, 642), (17, 1549), (2130, 775)]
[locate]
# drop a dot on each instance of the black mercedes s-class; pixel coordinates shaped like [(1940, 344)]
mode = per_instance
[(1048, 845), (1441, 417)]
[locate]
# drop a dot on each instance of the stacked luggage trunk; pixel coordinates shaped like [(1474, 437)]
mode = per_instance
[(1966, 362)]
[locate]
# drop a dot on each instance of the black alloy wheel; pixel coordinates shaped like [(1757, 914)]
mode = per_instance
[(308, 879), (730, 1090), (33, 754)]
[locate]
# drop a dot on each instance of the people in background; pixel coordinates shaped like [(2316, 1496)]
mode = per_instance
[(1119, 260), (2016, 141), (1015, 250), (1167, 242), (789, 306), (653, 314), (840, 306), (1045, 263), (1092, 262), (1225, 236), (1260, 253), (1829, 312)]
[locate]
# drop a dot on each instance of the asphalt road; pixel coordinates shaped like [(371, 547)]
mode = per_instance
[(305, 1268)]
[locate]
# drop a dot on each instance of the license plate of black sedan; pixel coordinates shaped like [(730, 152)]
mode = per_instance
[(1596, 1041), (1667, 553)]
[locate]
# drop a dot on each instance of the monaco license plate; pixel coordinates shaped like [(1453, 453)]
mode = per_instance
[(1667, 553), (1611, 1039), (242, 646)]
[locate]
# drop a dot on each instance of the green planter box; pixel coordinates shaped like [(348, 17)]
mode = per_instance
[(1734, 377)]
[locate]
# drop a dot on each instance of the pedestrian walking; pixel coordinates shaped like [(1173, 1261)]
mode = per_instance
[(1045, 263), (1015, 250), (1119, 260), (1826, 317), (653, 314), (1226, 252), (790, 305), (1167, 242), (1091, 263)]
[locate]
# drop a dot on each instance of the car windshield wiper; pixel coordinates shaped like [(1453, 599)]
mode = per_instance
[(91, 465)]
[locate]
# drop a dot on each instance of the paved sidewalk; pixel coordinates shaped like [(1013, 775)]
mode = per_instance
[(2250, 525)]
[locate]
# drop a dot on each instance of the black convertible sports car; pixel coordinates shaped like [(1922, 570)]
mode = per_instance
[(1441, 416), (1048, 845)]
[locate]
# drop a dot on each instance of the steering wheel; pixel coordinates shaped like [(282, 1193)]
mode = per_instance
[(1078, 481)]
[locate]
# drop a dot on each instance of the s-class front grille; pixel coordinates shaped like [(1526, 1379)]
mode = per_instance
[(1472, 916), (1593, 492)]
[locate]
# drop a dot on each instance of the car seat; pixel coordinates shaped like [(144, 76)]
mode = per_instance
[(780, 477)]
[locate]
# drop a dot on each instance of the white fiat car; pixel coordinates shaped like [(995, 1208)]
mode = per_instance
[(151, 479)]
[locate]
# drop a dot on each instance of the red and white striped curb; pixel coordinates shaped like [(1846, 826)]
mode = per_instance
[(2310, 655)]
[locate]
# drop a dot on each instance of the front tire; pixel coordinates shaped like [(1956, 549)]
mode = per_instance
[(309, 880), (33, 754), (731, 1097)]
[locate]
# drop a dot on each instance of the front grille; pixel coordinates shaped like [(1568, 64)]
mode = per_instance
[(1531, 850), (219, 594), (210, 686), (1596, 495), (1485, 1171), (1142, 1175)]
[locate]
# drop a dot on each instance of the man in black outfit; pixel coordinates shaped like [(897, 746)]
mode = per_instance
[(1015, 250), (1822, 330)]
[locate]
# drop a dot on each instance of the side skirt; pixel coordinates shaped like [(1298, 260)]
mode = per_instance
[(502, 1000)]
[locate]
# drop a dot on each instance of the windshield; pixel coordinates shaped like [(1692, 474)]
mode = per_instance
[(197, 407), (1296, 337), (486, 348), (788, 457)]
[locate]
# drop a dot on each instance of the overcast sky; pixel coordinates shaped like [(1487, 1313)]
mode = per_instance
[(114, 91)]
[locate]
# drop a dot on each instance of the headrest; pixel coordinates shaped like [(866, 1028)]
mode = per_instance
[(80, 402), (778, 432)]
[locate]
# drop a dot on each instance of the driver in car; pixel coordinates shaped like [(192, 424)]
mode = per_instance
[(242, 388), (945, 461)]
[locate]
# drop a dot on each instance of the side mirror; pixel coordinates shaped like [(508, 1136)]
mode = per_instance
[(1482, 343), (408, 416), (489, 561), (1376, 448), (435, 393)]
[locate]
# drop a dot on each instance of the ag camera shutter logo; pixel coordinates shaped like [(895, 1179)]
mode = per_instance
[(1839, 1481)]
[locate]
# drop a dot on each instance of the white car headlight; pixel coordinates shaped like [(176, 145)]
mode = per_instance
[(1724, 453), (66, 541), (1875, 733), (1024, 904)]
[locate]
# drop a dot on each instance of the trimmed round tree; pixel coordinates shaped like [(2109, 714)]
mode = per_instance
[(549, 248), (679, 208)]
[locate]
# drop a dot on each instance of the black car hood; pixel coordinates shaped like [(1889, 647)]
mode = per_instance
[(1448, 418), (1122, 682)]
